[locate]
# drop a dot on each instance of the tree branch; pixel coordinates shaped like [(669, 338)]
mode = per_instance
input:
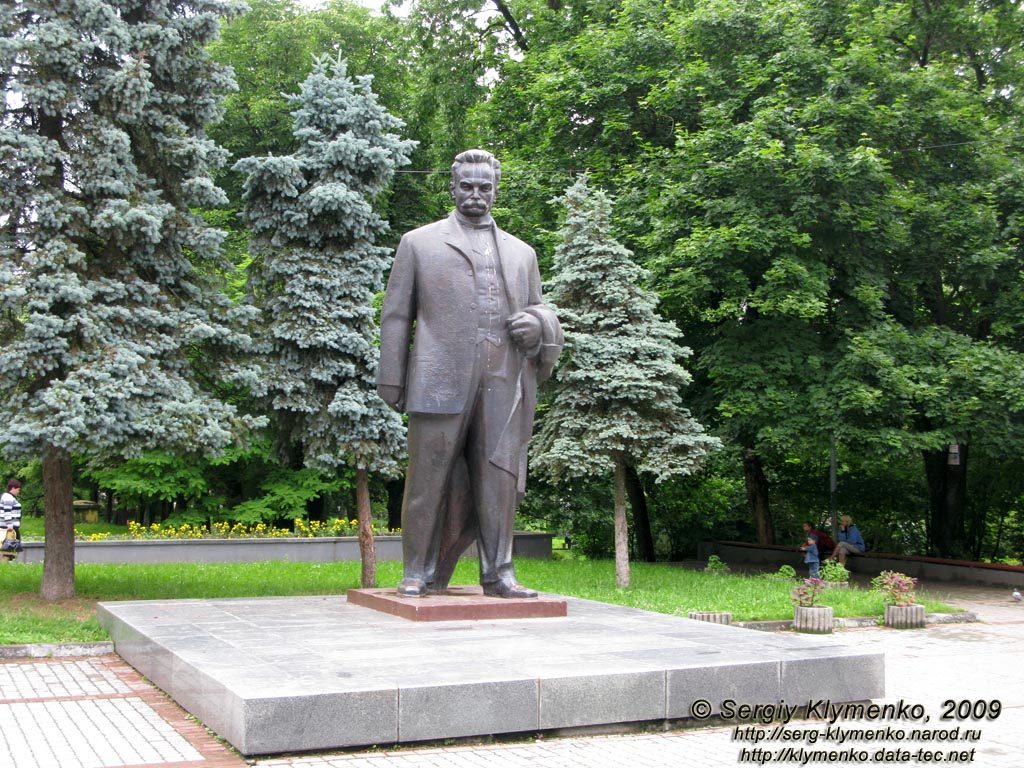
[(511, 24)]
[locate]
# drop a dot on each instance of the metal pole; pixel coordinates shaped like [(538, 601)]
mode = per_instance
[(833, 497)]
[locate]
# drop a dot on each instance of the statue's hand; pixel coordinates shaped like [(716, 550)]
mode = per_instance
[(392, 395), (525, 331)]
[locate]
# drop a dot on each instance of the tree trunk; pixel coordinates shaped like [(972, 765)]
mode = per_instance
[(110, 507), (757, 496), (368, 577), (833, 485), (946, 472), (621, 528), (316, 509), (179, 506), (59, 565), (396, 490), (641, 517), (999, 536)]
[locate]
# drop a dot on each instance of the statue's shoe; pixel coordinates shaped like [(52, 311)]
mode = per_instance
[(412, 588), (508, 589)]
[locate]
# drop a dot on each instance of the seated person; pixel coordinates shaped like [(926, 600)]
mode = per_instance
[(850, 540)]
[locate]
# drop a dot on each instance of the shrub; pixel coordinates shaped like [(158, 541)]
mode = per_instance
[(807, 593), (833, 570), (895, 588), (785, 573)]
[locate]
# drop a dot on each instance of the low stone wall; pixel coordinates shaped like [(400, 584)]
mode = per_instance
[(872, 563), (306, 550)]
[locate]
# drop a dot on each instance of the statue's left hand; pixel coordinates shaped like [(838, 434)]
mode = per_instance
[(525, 331)]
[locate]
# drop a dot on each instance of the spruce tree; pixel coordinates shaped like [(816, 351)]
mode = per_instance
[(107, 307), (616, 399), (316, 269)]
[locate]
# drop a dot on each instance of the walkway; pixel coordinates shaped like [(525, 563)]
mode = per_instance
[(99, 713)]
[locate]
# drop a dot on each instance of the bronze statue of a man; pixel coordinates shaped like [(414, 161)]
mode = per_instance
[(465, 340)]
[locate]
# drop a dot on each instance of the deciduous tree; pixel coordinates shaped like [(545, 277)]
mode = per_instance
[(843, 232)]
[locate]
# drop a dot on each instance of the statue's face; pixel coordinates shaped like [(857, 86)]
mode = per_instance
[(474, 189)]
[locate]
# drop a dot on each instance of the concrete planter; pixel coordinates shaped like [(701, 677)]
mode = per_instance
[(904, 616), (815, 619), (836, 584), (307, 550), (713, 617), (717, 571)]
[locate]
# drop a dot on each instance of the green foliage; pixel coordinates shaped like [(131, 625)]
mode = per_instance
[(806, 595), (286, 495), (581, 506), (316, 269), (154, 475), (270, 48), (451, 45), (895, 588), (617, 392), (828, 196), (833, 570), (107, 302), (245, 485), (709, 505), (834, 221)]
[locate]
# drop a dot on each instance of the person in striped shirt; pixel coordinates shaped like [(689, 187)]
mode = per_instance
[(10, 508)]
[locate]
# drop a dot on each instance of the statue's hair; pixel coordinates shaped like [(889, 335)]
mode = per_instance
[(477, 156)]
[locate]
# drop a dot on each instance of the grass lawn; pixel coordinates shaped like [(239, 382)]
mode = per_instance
[(24, 618)]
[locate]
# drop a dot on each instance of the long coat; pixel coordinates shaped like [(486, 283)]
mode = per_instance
[(432, 288)]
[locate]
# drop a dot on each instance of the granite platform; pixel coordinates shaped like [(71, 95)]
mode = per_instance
[(275, 675)]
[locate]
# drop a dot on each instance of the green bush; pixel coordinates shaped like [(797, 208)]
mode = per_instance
[(833, 570)]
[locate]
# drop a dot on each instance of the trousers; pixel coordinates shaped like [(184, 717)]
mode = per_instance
[(453, 492)]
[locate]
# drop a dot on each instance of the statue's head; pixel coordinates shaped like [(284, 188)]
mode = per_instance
[(474, 184)]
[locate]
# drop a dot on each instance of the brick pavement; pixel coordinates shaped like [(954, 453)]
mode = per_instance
[(99, 713)]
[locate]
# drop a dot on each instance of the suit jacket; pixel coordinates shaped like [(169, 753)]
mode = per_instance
[(432, 288)]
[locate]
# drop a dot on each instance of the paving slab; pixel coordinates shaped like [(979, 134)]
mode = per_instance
[(286, 675)]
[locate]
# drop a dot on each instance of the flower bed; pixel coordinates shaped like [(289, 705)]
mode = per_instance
[(301, 529), (318, 549)]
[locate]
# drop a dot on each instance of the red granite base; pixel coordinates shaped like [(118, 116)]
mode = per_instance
[(460, 603)]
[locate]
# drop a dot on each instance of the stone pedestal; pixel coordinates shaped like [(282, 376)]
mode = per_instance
[(458, 604)]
